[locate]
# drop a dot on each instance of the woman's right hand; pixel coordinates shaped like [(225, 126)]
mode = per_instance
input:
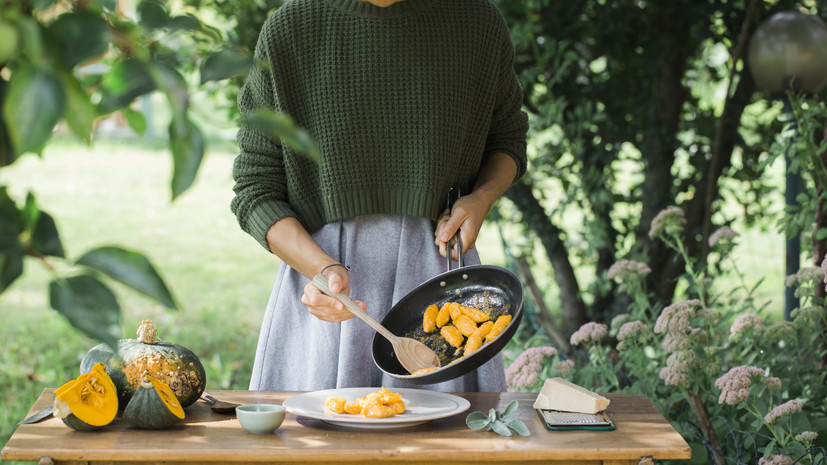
[(327, 308)]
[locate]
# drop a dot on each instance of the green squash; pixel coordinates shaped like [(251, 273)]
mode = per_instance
[(175, 365), (88, 402), (153, 406)]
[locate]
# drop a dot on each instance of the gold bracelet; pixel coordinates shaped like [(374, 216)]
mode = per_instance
[(334, 264)]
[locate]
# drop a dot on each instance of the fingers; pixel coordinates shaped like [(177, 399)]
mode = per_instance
[(327, 308), (464, 220)]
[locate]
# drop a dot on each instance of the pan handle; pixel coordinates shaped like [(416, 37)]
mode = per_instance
[(457, 237)]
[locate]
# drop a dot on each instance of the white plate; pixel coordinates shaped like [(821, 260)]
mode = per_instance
[(420, 407)]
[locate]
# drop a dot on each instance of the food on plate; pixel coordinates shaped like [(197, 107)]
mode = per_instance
[(88, 402), (563, 395), (336, 404), (378, 404), (175, 365)]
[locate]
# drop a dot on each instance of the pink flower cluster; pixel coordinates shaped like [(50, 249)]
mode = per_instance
[(772, 382), (806, 436), (724, 237), (678, 366), (525, 371), (734, 385), (786, 409), (744, 322), (623, 270), (776, 459), (668, 222), (564, 367), (589, 332), (676, 322), (633, 329)]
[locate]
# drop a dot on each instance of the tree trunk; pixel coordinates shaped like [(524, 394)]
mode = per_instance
[(535, 217), (820, 248)]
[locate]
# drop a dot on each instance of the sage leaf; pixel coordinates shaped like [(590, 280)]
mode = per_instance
[(512, 406), (476, 420), (519, 427), (500, 428)]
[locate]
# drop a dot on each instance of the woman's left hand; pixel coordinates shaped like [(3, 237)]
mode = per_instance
[(465, 218)]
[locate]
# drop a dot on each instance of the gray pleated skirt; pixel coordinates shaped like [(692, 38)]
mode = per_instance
[(389, 256)]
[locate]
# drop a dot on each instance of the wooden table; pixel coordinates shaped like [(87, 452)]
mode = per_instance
[(207, 437)]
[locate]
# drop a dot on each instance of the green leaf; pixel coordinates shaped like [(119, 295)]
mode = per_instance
[(173, 84), (518, 426), (153, 14), (33, 107), (11, 265), (225, 64), (185, 23), (7, 153), (89, 306), (476, 420), (187, 152), (42, 4), (45, 237), (512, 406), (131, 269), (500, 428), (79, 36), (80, 112), (126, 81), (135, 119), (281, 126)]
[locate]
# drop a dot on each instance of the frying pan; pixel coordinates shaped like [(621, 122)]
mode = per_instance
[(482, 286)]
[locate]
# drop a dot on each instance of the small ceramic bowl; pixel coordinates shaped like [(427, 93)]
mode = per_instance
[(260, 418)]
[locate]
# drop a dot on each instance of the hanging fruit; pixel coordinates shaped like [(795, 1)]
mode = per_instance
[(174, 365), (88, 402)]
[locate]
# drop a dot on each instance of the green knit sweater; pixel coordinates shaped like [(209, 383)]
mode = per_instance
[(403, 102)]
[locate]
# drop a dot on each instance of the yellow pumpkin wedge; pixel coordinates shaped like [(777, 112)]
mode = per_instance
[(88, 402)]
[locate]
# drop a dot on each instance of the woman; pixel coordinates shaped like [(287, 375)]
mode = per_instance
[(405, 100)]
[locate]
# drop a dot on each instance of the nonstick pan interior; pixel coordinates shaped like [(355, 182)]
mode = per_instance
[(475, 286)]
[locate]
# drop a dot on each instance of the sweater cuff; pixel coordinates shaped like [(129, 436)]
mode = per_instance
[(263, 216), (515, 150)]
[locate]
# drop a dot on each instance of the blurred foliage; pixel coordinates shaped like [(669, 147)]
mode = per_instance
[(69, 64), (638, 106)]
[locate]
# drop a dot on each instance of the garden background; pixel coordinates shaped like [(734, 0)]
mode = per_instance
[(649, 232)]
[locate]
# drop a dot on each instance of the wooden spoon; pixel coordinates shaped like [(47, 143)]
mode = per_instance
[(412, 354)]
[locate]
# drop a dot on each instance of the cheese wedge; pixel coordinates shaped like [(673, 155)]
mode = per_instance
[(559, 394)]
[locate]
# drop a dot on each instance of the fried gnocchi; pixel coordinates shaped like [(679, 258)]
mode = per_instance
[(378, 404), (462, 329)]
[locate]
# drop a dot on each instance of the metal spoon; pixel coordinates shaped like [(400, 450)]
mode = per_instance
[(412, 354), (219, 406)]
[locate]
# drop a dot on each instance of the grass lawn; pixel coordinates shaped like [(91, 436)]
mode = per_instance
[(118, 193)]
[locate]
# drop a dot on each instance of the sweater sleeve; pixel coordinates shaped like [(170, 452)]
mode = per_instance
[(260, 183), (509, 123)]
